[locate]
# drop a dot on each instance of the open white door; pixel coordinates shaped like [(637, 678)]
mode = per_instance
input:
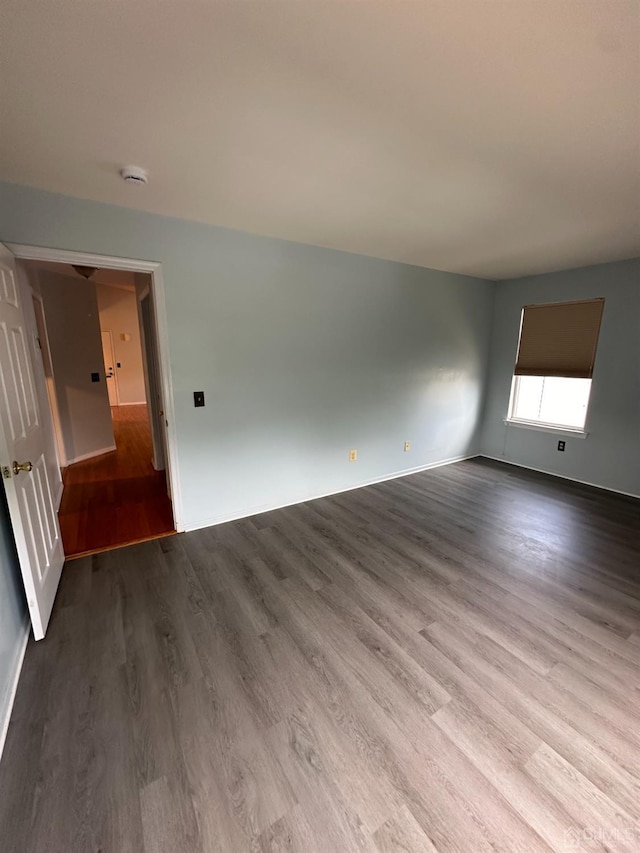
[(30, 494), (109, 368)]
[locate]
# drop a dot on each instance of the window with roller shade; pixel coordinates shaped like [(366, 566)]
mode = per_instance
[(554, 365)]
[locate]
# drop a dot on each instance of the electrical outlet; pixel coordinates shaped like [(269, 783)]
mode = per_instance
[(353, 456), (561, 446), (407, 446)]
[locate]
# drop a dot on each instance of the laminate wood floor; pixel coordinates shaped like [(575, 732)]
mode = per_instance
[(449, 661), (118, 497)]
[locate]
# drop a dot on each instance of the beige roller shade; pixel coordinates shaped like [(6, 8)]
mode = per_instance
[(559, 339)]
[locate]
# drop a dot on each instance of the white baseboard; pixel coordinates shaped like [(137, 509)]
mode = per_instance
[(256, 510), (560, 476), (4, 723), (141, 403), (91, 455)]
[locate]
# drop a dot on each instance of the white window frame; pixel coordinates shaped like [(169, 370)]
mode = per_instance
[(542, 426)]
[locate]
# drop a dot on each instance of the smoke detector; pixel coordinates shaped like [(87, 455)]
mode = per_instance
[(134, 175)]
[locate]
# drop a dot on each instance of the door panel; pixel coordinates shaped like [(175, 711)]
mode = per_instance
[(9, 290), (30, 493), (36, 496), (110, 368), (17, 384)]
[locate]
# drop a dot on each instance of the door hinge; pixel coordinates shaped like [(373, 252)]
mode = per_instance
[(6, 472)]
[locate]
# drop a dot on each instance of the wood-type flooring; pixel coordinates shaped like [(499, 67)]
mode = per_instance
[(448, 661), (118, 497)]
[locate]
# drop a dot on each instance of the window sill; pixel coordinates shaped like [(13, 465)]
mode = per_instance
[(572, 433)]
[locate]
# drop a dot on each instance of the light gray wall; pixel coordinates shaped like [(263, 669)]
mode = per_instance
[(302, 352), (73, 329), (13, 609), (610, 455)]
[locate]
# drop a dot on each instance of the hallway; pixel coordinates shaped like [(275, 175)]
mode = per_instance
[(116, 498)]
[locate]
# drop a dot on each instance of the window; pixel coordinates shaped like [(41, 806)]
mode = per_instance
[(558, 401), (554, 366)]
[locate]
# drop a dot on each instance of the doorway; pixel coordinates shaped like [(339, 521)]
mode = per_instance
[(118, 490)]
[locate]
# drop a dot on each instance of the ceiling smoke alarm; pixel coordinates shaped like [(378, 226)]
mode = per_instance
[(134, 175)]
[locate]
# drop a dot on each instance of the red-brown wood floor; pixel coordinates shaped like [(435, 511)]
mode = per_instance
[(116, 498)]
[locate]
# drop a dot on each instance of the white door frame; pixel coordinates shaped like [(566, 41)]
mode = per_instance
[(154, 269), (151, 381)]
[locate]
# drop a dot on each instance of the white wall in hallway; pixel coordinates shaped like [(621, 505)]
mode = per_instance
[(71, 313), (118, 312)]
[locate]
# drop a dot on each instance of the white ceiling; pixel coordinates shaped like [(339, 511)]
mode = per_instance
[(491, 137)]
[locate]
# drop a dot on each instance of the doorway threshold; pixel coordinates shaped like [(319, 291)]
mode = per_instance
[(116, 545)]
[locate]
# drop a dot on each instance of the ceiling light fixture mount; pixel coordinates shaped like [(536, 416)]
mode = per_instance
[(134, 175)]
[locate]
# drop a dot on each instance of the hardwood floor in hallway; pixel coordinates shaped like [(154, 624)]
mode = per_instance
[(116, 498), (448, 661)]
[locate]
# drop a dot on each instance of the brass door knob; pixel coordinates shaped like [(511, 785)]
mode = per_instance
[(25, 466)]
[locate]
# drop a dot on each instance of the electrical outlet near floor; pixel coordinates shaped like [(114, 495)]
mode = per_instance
[(407, 446), (353, 456)]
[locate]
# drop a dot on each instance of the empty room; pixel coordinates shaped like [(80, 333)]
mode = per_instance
[(359, 281)]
